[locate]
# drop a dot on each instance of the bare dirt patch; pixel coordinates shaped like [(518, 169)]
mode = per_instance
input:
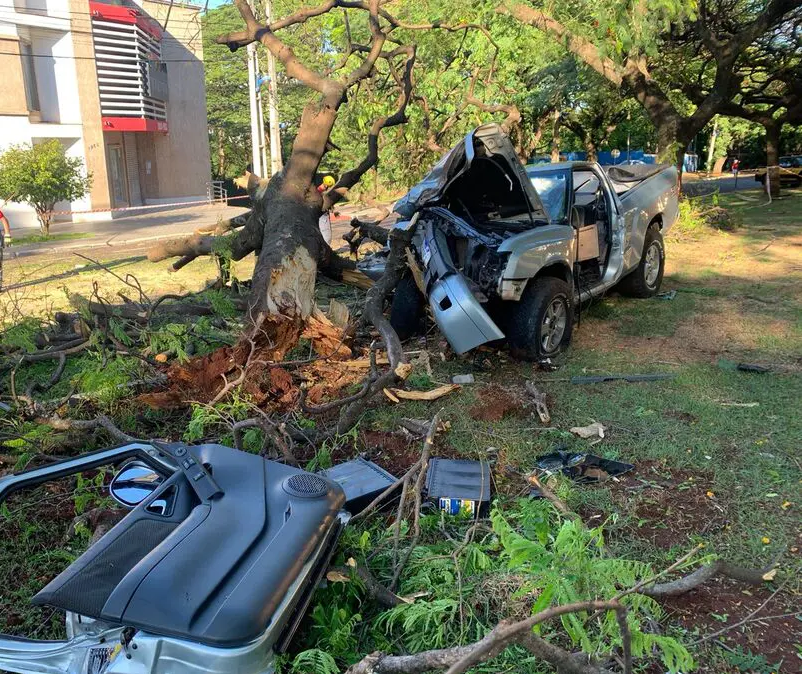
[(671, 505), (719, 328), (394, 452), (398, 452), (722, 602), (679, 415), (494, 403)]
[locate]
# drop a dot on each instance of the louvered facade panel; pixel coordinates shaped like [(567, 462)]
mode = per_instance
[(131, 76)]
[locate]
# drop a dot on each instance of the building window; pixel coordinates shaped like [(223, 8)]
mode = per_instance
[(29, 77)]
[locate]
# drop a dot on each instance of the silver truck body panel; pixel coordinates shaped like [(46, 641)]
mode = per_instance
[(538, 248), (463, 321)]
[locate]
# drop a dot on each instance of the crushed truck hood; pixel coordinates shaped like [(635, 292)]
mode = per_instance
[(486, 163)]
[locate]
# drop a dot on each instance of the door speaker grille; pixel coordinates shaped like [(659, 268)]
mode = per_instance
[(306, 485)]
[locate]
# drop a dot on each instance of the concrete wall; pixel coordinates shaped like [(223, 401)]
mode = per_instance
[(12, 86), (89, 101), (60, 114), (55, 76), (180, 165)]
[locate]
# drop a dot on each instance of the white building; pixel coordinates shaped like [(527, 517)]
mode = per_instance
[(121, 92)]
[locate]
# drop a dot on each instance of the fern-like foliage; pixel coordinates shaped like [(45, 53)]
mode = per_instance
[(314, 661), (334, 627), (422, 624), (564, 562)]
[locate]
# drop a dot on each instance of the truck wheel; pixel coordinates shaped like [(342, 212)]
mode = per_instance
[(407, 308), (645, 279), (540, 325)]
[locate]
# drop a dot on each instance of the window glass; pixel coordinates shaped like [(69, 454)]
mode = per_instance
[(586, 184), (29, 77), (552, 188)]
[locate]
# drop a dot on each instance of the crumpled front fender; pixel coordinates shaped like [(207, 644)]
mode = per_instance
[(459, 315)]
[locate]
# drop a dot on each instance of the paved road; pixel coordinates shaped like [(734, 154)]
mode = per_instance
[(695, 187), (133, 235)]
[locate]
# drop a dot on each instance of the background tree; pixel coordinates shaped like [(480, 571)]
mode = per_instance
[(770, 90), (42, 175), (226, 95), (589, 107), (734, 138), (643, 49)]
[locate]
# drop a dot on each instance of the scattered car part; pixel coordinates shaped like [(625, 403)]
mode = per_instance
[(581, 468), (217, 582), (753, 367), (631, 378), (361, 480), (459, 485), (593, 430), (462, 379), (726, 364)]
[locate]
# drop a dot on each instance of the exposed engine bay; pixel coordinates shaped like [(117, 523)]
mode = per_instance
[(472, 252)]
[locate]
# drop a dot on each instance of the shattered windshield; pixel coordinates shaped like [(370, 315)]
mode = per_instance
[(552, 188)]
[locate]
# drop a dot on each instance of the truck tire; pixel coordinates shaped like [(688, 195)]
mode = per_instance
[(540, 325), (407, 308), (645, 279)]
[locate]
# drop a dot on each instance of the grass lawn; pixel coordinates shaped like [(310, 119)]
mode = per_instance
[(42, 238), (716, 449)]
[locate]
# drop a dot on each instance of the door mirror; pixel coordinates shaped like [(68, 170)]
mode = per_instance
[(134, 483)]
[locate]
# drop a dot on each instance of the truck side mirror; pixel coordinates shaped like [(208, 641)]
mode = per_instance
[(134, 483)]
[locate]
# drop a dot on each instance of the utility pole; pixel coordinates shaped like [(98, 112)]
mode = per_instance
[(272, 103), (256, 156), (262, 139)]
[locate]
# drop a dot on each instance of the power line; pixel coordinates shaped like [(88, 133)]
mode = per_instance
[(7, 12)]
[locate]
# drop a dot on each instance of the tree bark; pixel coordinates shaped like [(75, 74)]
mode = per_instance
[(773, 130), (282, 289), (221, 154), (670, 146), (711, 145), (555, 137)]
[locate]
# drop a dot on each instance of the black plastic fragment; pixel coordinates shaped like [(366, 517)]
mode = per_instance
[(632, 378), (581, 468), (459, 485), (361, 480)]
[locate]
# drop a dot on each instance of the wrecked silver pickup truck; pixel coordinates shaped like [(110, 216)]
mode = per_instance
[(507, 251)]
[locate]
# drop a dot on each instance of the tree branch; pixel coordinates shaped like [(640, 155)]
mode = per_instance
[(458, 659), (351, 177), (576, 44)]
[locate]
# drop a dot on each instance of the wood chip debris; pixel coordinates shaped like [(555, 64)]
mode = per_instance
[(397, 394), (594, 430)]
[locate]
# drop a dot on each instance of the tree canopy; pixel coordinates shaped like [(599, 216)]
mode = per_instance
[(654, 73)]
